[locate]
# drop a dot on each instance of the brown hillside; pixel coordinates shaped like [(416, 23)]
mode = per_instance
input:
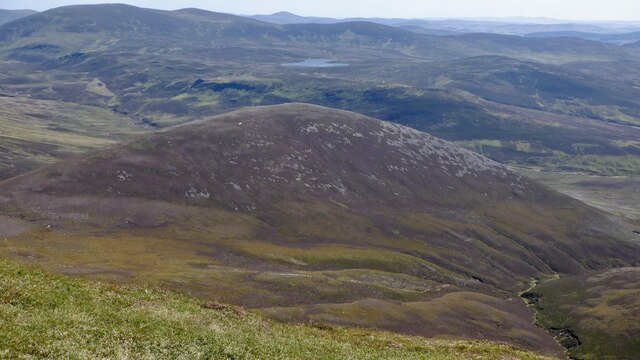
[(292, 206)]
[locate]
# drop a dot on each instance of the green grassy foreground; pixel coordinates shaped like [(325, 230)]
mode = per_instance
[(50, 316)]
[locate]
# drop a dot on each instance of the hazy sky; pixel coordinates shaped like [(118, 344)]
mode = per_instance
[(558, 9)]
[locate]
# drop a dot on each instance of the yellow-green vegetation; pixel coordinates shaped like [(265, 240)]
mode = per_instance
[(627, 143), (604, 165), (60, 123), (470, 312), (227, 268), (327, 273), (336, 256), (614, 165), (596, 316), (610, 113), (51, 316), (38, 132)]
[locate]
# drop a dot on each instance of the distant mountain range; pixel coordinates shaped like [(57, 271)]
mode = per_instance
[(620, 39), (162, 68), (612, 32)]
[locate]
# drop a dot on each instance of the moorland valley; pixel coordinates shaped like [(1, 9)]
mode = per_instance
[(451, 180)]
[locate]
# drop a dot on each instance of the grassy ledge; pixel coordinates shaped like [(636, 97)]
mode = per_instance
[(50, 316)]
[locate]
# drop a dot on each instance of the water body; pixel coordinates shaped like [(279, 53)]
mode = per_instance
[(317, 63)]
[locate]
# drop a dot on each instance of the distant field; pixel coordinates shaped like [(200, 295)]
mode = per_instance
[(619, 195)]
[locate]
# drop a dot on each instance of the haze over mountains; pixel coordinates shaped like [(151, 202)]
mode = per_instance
[(10, 15), (183, 148), (610, 32)]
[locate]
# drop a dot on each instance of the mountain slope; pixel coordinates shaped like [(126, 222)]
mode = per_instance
[(85, 28), (284, 17), (307, 154), (595, 315), (573, 49), (634, 45), (64, 30), (70, 318), (92, 27), (559, 89), (35, 132), (290, 206), (619, 38)]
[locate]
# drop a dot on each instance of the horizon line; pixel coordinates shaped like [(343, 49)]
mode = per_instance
[(523, 18)]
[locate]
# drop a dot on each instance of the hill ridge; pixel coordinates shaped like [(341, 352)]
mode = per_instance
[(280, 207)]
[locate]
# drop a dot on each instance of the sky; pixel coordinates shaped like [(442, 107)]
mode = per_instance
[(618, 10)]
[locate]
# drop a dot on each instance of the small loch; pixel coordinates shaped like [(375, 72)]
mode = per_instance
[(316, 63)]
